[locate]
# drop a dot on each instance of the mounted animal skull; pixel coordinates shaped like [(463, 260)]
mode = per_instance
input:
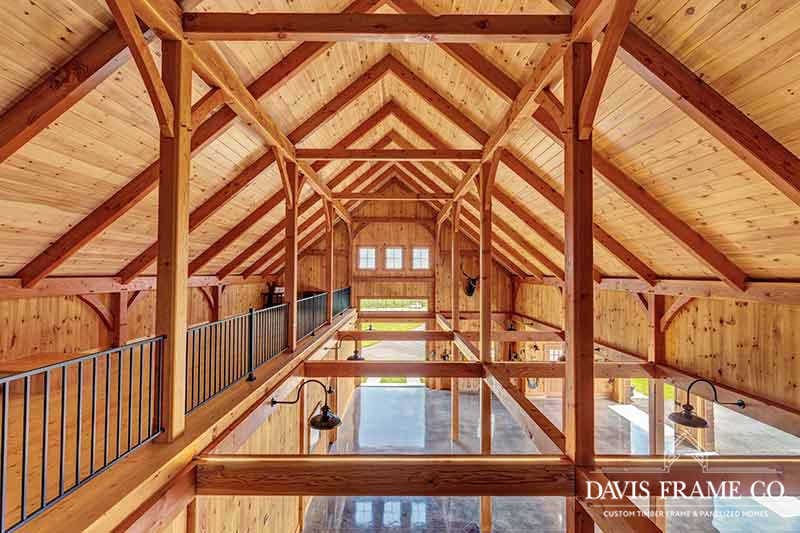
[(472, 283)]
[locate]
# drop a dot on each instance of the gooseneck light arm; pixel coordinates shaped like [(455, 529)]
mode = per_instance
[(328, 390), (738, 403)]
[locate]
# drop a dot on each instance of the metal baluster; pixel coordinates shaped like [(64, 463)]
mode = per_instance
[(26, 410), (4, 458), (45, 434), (141, 382), (130, 395), (160, 356), (251, 376), (94, 415), (108, 408), (119, 399), (78, 429), (150, 362), (63, 437)]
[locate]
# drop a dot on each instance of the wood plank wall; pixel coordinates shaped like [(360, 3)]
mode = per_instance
[(754, 347), (65, 324), (311, 270)]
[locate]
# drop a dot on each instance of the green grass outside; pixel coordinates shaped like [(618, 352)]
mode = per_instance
[(640, 385), (394, 380), (387, 326), (403, 304)]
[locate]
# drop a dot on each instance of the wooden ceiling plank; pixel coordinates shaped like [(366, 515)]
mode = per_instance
[(421, 130), (97, 62), (337, 27), (221, 197), (270, 255), (59, 91), (556, 199), (516, 237), (711, 110), (128, 26), (648, 206)]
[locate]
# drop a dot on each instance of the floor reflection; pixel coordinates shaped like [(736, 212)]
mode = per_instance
[(416, 420)]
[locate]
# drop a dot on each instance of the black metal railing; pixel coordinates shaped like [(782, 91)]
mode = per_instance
[(311, 313), (271, 333), (65, 423), (216, 358), (221, 353), (341, 300)]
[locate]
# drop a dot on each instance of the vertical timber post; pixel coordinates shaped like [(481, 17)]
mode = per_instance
[(455, 256), (485, 185), (290, 272), (329, 261), (173, 233), (579, 289)]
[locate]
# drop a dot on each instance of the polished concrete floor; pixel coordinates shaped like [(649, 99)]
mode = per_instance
[(416, 420)]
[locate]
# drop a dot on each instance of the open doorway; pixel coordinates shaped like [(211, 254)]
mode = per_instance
[(393, 351)]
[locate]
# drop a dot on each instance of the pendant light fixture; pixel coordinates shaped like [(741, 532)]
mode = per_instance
[(326, 419), (686, 416)]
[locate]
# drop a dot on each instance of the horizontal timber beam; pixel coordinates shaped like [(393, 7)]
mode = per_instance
[(71, 286), (518, 336), (334, 27), (376, 335), (413, 154), (416, 369), (776, 292), (358, 475), (387, 197)]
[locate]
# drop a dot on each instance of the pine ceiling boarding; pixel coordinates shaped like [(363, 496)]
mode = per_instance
[(421, 96)]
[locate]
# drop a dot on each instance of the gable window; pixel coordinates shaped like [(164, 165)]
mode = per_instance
[(366, 258), (420, 259), (394, 258)]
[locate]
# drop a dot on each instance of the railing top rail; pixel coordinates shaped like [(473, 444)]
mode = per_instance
[(220, 321), (75, 360), (270, 308), (320, 295)]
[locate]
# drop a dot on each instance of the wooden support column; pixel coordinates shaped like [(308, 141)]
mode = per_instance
[(655, 397), (329, 264), (656, 354), (486, 513), (192, 522), (119, 310), (455, 261), (173, 237), (216, 297), (579, 315), (455, 290), (578, 520), (290, 270), (302, 449), (486, 418), (486, 178)]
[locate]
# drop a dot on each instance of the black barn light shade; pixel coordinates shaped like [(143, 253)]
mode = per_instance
[(326, 419), (686, 416)]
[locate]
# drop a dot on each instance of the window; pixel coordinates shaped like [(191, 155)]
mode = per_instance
[(420, 259), (366, 258), (392, 513), (394, 258), (363, 513)]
